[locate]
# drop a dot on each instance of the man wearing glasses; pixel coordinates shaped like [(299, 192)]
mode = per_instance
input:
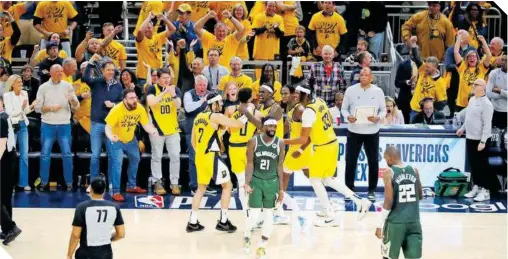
[(428, 115)]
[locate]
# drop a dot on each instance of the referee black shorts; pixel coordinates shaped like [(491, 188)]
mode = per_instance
[(101, 252)]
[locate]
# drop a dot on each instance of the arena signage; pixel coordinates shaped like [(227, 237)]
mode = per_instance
[(430, 155)]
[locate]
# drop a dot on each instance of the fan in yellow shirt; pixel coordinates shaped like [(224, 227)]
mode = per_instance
[(241, 80), (226, 44), (496, 49), (15, 10), (54, 16), (268, 28), (154, 7), (199, 8), (258, 8), (112, 48), (82, 114), (430, 84), (7, 43), (149, 46), (328, 26), (470, 68), (240, 13), (267, 77)]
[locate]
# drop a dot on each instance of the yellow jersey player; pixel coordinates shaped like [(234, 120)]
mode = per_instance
[(269, 107), (317, 125), (239, 137), (297, 156), (207, 144)]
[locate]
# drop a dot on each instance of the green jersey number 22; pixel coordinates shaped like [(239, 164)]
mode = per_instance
[(407, 193)]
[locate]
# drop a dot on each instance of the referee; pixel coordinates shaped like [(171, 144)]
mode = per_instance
[(93, 223), (367, 134)]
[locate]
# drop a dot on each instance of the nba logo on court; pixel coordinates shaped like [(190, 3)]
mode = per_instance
[(149, 202)]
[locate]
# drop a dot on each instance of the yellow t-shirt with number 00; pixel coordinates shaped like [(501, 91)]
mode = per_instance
[(123, 122)]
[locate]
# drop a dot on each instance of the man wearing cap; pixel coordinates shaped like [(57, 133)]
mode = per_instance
[(47, 63), (185, 27), (93, 223), (434, 31)]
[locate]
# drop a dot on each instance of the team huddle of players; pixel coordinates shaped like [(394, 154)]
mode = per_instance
[(262, 167)]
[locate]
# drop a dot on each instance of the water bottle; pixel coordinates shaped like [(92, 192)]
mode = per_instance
[(455, 122)]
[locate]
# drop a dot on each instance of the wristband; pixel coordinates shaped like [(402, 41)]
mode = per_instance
[(382, 217)]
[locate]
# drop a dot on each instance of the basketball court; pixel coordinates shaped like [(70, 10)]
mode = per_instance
[(451, 229)]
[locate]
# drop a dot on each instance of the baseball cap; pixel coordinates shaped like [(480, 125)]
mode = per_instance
[(185, 8)]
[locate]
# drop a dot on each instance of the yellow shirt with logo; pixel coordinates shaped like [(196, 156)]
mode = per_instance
[(276, 95), (241, 135), (123, 122), (204, 132), (164, 114), (428, 87), (328, 28), (258, 8), (150, 52), (467, 78), (115, 51), (227, 47), (267, 44), (242, 81), (280, 123), (199, 9), (290, 20), (6, 48), (243, 49), (43, 54), (86, 104), (55, 15), (322, 130), (16, 11)]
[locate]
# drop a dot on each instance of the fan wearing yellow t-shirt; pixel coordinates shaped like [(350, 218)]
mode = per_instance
[(226, 44), (268, 28), (54, 16), (430, 85), (7, 43), (470, 68), (220, 6), (241, 80), (112, 48), (15, 11), (121, 124), (199, 8), (326, 27), (149, 46), (153, 7), (240, 13), (83, 92)]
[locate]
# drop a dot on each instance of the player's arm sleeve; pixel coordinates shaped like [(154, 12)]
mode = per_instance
[(119, 218), (308, 118)]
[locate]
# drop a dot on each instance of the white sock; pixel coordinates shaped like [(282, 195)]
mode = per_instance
[(223, 215), (341, 188), (320, 191), (193, 217), (252, 219), (241, 190), (268, 224)]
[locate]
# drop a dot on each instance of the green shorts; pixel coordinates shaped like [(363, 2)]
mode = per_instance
[(264, 193), (407, 236)]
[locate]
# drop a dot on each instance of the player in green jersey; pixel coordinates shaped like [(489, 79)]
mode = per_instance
[(263, 181), (399, 225)]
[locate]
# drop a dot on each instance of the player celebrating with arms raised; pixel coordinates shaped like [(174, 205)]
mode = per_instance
[(317, 125), (264, 174), (208, 145), (400, 215)]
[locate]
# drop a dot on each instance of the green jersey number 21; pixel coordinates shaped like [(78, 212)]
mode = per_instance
[(265, 164)]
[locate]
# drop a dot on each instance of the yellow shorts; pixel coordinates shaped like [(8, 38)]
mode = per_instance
[(295, 164), (205, 164), (238, 156), (323, 162)]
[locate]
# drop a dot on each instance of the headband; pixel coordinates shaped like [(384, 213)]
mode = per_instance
[(270, 122), (215, 99), (303, 90), (269, 89)]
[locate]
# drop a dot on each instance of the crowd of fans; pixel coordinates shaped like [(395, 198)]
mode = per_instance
[(207, 43)]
